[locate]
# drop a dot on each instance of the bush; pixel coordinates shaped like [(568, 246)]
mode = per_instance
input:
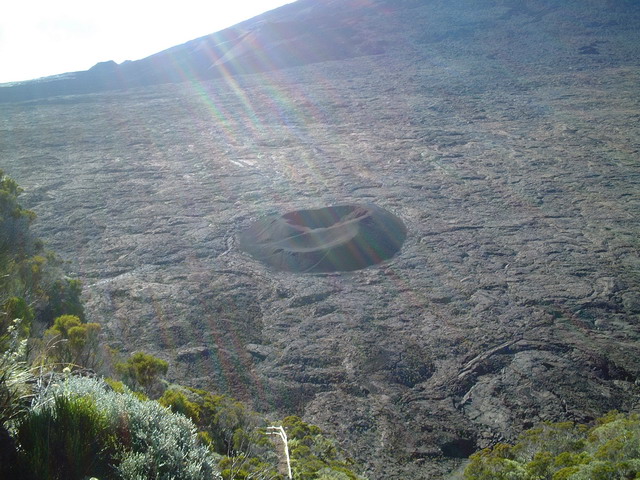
[(609, 450), (13, 308), (72, 342), (313, 455), (230, 429), (14, 220), (15, 392), (178, 402), (66, 438), (239, 434), (27, 271), (140, 439), (15, 375), (142, 370), (234, 428), (63, 298)]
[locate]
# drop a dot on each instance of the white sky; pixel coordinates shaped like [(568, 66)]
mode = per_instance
[(47, 37)]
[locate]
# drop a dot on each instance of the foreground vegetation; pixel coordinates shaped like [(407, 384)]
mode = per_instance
[(79, 427)]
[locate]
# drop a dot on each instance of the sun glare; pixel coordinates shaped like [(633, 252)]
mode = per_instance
[(42, 38)]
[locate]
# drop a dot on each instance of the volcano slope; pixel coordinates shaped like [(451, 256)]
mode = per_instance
[(504, 136)]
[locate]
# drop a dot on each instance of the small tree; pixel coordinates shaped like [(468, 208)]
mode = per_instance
[(142, 370), (73, 342), (64, 299), (14, 220)]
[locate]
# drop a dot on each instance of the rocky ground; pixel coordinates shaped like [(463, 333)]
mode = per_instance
[(505, 138)]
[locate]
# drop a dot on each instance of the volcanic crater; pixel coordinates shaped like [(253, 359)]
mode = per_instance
[(329, 239)]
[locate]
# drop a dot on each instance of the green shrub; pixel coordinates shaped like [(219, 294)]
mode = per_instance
[(67, 438), (178, 402), (63, 298), (230, 429), (142, 440), (72, 342), (240, 435), (566, 451), (142, 370), (233, 428), (246, 467), (119, 387), (16, 307), (14, 220), (313, 455), (15, 375), (27, 271), (16, 242)]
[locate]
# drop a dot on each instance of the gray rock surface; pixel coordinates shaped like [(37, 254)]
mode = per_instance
[(503, 134)]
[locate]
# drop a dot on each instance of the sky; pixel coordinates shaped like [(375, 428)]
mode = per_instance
[(47, 37)]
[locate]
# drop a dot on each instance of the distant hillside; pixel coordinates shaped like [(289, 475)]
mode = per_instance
[(304, 32)]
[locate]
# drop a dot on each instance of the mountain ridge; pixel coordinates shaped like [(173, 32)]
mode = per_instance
[(294, 34)]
